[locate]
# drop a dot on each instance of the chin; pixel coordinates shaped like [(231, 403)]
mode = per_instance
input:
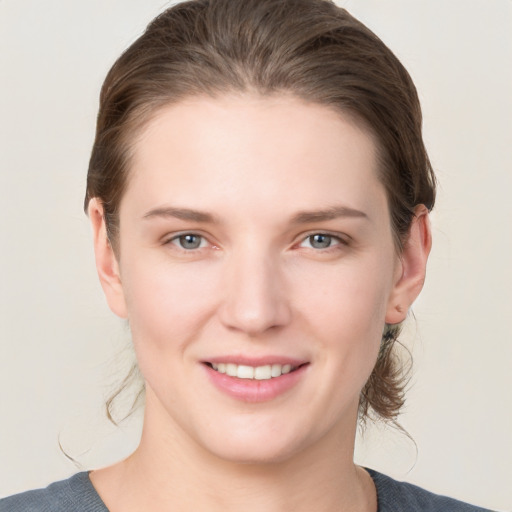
[(255, 454), (253, 445)]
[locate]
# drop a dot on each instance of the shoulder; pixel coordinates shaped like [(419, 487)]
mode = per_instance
[(394, 496), (75, 493)]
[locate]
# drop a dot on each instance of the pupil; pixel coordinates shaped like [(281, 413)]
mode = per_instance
[(320, 241), (190, 241)]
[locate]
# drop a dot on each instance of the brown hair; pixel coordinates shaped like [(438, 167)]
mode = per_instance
[(309, 48)]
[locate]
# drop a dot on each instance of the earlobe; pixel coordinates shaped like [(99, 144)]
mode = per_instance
[(106, 262), (413, 267)]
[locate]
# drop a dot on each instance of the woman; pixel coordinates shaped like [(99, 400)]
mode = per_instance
[(259, 194)]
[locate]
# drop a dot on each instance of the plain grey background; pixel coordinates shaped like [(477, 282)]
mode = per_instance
[(61, 350)]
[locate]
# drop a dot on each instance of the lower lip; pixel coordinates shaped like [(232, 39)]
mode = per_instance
[(253, 390)]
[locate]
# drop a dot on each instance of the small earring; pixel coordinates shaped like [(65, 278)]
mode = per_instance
[(399, 308)]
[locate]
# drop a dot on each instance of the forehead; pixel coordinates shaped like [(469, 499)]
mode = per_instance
[(253, 151)]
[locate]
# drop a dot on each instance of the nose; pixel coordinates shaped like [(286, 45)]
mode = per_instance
[(254, 296)]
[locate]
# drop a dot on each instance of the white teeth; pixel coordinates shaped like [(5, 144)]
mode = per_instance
[(231, 369), (245, 372), (265, 372), (276, 370)]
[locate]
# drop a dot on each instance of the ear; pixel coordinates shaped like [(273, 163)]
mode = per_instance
[(412, 267), (106, 261)]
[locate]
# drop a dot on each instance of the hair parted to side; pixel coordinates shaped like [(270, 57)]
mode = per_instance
[(311, 49)]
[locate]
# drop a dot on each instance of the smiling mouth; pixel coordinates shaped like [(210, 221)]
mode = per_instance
[(265, 372)]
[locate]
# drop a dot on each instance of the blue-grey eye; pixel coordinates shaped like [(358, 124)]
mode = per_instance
[(320, 241), (189, 241)]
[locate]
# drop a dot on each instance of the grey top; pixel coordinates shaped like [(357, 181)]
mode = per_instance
[(77, 494)]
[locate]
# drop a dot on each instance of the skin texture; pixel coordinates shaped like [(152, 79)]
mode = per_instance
[(256, 286)]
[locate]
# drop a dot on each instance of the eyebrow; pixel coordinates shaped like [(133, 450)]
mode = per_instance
[(181, 213), (302, 217), (335, 212)]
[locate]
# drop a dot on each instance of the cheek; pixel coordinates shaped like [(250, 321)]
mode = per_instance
[(352, 294), (344, 309), (168, 304)]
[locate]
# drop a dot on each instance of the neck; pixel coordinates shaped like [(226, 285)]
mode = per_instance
[(170, 472)]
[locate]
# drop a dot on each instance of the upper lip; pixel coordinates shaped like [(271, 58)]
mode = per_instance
[(256, 361)]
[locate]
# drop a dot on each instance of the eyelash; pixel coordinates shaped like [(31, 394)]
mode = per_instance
[(340, 241), (177, 238)]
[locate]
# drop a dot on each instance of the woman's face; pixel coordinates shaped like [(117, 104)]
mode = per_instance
[(255, 241)]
